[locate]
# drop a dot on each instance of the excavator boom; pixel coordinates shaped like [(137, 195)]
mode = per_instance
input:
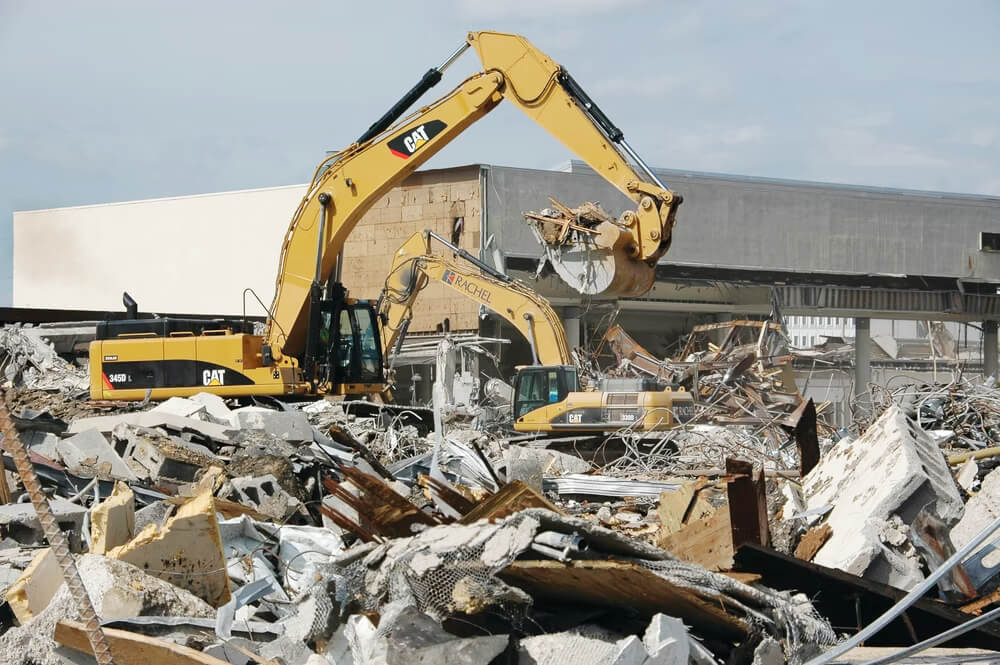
[(415, 265), (319, 341)]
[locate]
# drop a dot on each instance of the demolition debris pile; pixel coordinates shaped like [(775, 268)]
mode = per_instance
[(310, 533)]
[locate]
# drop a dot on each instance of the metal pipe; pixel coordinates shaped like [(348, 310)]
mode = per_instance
[(485, 267), (638, 160), (453, 57), (907, 600), (952, 632), (531, 337)]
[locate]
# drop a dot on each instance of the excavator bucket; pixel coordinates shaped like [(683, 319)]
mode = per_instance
[(591, 251)]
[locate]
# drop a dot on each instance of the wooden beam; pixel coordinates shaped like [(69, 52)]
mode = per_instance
[(130, 648)]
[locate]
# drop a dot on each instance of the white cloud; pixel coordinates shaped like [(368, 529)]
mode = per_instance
[(740, 135), (984, 137), (862, 148)]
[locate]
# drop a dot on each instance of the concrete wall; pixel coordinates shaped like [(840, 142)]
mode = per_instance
[(196, 254), (757, 223)]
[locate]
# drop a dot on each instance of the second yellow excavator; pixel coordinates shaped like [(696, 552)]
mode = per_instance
[(547, 395)]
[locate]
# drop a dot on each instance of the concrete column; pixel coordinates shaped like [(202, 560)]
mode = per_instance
[(571, 323), (862, 362), (990, 360)]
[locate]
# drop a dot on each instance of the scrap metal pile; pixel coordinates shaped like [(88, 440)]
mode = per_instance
[(206, 531)]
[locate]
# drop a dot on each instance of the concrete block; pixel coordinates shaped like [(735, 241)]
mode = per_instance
[(215, 407), (36, 586), (265, 495), (89, 454), (895, 468), (982, 509), (42, 443), (150, 454), (19, 521), (769, 652), (416, 639), (155, 513), (666, 640), (186, 551), (580, 649), (291, 426), (112, 522), (182, 407)]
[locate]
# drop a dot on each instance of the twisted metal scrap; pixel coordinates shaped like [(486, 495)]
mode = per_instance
[(57, 541)]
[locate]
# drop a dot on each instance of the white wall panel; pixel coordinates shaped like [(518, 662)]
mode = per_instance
[(188, 254)]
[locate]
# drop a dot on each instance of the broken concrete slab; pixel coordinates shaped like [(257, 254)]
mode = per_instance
[(88, 454), (182, 407), (117, 591), (264, 494), (155, 513), (36, 586), (112, 522), (216, 408), (414, 638), (291, 426), (105, 424), (982, 509), (894, 468), (41, 443), (666, 641), (186, 551), (151, 454), (20, 522), (581, 649)]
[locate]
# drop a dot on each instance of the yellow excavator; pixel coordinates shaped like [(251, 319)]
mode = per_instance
[(317, 341), (547, 395)]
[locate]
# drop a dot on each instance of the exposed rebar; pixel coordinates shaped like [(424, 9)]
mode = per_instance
[(57, 540)]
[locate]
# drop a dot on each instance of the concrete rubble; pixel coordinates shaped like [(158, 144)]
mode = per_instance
[(310, 533)]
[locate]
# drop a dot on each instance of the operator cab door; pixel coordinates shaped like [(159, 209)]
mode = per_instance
[(355, 350), (536, 387)]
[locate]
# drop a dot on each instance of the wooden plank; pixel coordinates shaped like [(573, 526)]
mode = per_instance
[(513, 497), (814, 539), (976, 606), (707, 542), (673, 508), (625, 585), (132, 648)]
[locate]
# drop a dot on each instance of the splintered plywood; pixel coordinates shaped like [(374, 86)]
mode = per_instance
[(625, 585), (513, 497), (707, 542), (186, 551)]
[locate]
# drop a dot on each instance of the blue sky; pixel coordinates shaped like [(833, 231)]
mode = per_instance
[(106, 101)]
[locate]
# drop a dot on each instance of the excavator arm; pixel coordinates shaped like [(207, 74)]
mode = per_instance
[(415, 265), (347, 184)]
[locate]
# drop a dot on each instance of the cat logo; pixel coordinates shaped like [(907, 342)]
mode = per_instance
[(574, 418), (409, 142), (213, 377)]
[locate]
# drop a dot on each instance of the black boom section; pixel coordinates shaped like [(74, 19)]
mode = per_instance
[(144, 374)]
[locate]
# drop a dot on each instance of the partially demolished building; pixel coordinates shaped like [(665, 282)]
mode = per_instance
[(786, 519)]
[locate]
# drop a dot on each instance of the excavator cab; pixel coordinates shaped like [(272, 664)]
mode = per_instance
[(348, 350), (540, 385)]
